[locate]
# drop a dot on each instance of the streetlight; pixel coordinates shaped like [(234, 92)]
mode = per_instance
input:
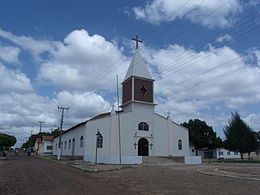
[(99, 143)]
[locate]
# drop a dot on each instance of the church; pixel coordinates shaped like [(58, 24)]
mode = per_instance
[(123, 137)]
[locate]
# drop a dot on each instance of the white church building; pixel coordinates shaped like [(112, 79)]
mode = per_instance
[(135, 131)]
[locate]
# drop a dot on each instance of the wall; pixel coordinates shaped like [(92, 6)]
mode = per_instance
[(74, 133), (44, 149), (225, 153)]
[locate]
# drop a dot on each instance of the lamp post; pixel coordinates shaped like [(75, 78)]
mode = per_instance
[(98, 143)]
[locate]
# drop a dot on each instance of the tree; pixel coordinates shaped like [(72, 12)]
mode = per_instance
[(202, 135), (6, 141), (239, 136), (31, 140)]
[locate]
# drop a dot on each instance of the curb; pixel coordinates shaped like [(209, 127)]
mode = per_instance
[(229, 175)]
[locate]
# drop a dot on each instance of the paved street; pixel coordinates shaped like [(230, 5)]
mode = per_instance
[(33, 175)]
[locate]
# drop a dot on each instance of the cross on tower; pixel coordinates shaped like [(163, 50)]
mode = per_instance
[(143, 90), (136, 41)]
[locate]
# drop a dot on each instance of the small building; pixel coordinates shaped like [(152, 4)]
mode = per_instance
[(47, 145), (218, 153)]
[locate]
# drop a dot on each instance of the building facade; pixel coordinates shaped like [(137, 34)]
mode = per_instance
[(135, 131)]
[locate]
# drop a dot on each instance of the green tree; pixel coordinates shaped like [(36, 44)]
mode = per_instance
[(202, 135), (239, 136), (6, 141), (31, 140)]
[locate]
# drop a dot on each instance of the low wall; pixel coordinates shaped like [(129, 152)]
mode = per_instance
[(192, 159), (114, 159)]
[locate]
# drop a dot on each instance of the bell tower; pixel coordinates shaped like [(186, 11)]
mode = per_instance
[(138, 83)]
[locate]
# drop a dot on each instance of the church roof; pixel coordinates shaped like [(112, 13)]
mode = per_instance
[(138, 68)]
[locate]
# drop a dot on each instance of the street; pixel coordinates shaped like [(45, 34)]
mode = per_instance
[(34, 175)]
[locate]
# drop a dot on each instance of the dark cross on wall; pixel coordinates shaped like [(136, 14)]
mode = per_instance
[(136, 41), (143, 90)]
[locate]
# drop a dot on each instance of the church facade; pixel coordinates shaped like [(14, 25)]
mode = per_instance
[(136, 130)]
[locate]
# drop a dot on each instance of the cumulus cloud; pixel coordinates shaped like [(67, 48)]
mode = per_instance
[(208, 13), (12, 80), (83, 105), (20, 113), (83, 62), (179, 70), (36, 47), (9, 54)]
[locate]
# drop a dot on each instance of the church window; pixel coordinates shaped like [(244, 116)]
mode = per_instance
[(69, 144), (143, 126), (99, 140), (180, 144), (65, 145), (81, 141), (56, 146)]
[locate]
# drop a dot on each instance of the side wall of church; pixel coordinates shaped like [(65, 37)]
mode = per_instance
[(68, 149), (161, 137), (180, 133), (166, 138), (92, 126)]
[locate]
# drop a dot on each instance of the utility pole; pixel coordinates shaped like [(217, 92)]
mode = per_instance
[(40, 122), (61, 123)]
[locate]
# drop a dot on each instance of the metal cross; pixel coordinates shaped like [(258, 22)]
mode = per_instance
[(151, 146), (136, 41), (143, 90), (135, 144)]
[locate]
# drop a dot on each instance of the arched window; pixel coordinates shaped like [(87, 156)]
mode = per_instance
[(65, 145), (81, 141), (69, 144), (180, 144), (56, 146), (143, 126)]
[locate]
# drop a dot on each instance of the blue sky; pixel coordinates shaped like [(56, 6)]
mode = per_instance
[(204, 56)]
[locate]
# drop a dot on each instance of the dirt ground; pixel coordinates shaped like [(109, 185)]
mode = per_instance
[(33, 175)]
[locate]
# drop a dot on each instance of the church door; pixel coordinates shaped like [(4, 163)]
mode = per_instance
[(143, 147), (73, 146)]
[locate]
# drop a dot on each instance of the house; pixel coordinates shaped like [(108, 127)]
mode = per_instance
[(46, 145)]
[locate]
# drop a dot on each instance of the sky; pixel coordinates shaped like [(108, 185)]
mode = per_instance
[(203, 54)]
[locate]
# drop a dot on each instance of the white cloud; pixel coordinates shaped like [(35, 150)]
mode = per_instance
[(36, 47), (174, 73), (83, 105), (9, 54), (208, 13), (81, 59), (253, 120), (20, 113), (13, 80), (224, 38)]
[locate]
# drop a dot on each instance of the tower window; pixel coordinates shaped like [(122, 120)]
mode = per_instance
[(143, 126)]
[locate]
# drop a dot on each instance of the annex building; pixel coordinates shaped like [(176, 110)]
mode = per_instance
[(127, 135)]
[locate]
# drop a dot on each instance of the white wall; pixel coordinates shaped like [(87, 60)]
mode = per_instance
[(44, 149), (224, 153), (74, 133), (192, 151), (167, 134)]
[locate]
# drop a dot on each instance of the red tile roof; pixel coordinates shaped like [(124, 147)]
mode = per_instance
[(47, 137)]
